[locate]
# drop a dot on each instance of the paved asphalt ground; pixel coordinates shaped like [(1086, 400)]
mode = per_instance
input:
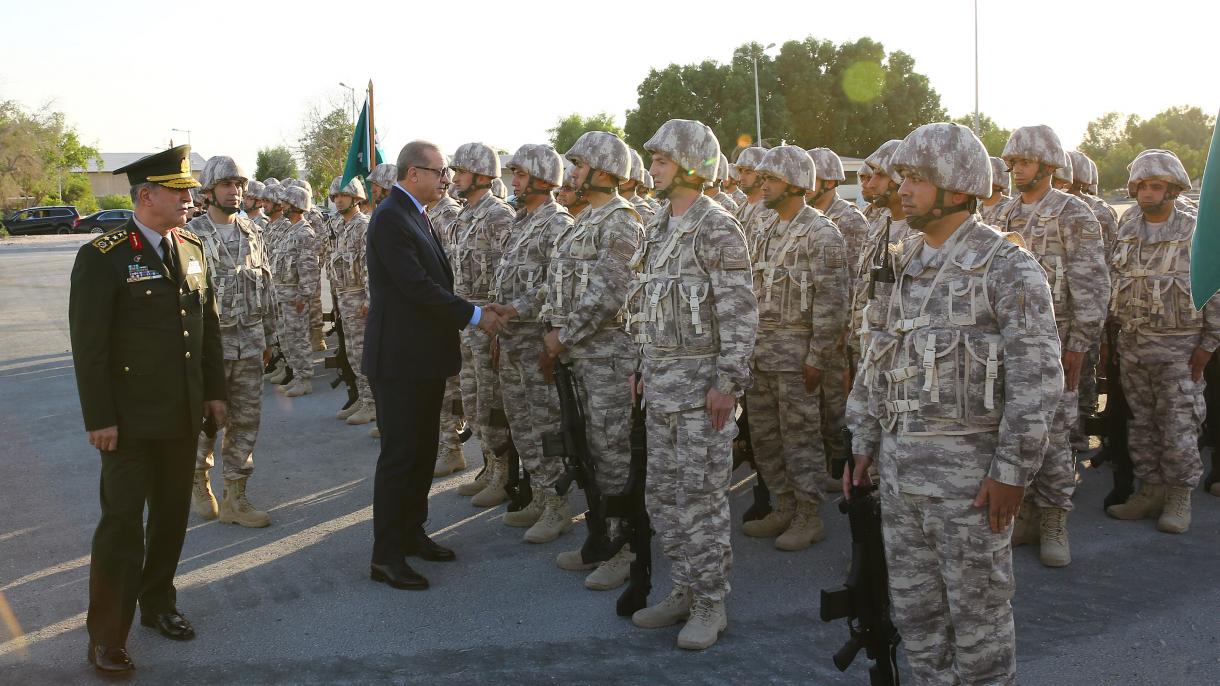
[(293, 604)]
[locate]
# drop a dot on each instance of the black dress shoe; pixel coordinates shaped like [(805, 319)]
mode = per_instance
[(428, 549), (171, 625), (398, 575), (112, 661)]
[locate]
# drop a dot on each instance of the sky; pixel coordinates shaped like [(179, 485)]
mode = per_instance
[(241, 77)]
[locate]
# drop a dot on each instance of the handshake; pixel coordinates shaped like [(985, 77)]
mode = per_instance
[(495, 317)]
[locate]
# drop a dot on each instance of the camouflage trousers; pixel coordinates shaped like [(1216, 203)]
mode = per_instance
[(951, 588), (489, 405), (1055, 481), (1086, 403), (1167, 411), (786, 434), (315, 314), (468, 383), (530, 402), (834, 391), (244, 384), (687, 494), (602, 384), (350, 306), (451, 412), (293, 332)]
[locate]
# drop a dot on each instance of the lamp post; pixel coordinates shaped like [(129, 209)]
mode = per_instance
[(757, 103), (977, 128), (187, 132), (351, 99)]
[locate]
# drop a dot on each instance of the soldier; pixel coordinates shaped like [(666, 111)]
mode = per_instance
[(874, 273), (953, 401), (695, 316), (252, 204), (714, 190), (479, 234), (443, 214), (825, 198), (1163, 344), (567, 195), (1063, 177), (990, 208), (648, 192), (630, 189), (1062, 232), (583, 304), (732, 185), (869, 210), (381, 180), (276, 223), (498, 188), (530, 401), (1181, 202), (242, 282), (294, 269), (348, 272), (800, 282), (753, 212)]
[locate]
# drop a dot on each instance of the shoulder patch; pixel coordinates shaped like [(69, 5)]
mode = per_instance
[(734, 258), (189, 236), (834, 257), (622, 248), (107, 241)]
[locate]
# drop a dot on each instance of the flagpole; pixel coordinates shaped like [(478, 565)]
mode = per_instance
[(372, 142)]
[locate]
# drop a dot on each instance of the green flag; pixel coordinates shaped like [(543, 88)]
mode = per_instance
[(1205, 249), (364, 153)]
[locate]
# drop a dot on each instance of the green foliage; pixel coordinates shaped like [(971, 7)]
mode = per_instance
[(79, 192), (324, 141), (994, 138), (115, 202), (276, 163), (569, 128), (1113, 141), (37, 151)]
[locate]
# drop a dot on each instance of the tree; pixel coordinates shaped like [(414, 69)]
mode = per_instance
[(1113, 141), (569, 128), (115, 202), (79, 193), (38, 150), (276, 163), (994, 138), (324, 141)]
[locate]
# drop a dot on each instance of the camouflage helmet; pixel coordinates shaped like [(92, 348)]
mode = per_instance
[(1039, 143), (648, 182), (879, 161), (790, 164), (1065, 173), (334, 186), (691, 144), (734, 172), (602, 151), (1083, 170), (722, 168), (949, 156), (750, 157), (828, 165), (384, 175), (476, 158), (999, 174), (254, 189), (273, 192), (354, 188), (196, 197), (498, 188), (1157, 164), (297, 197), (300, 183), (219, 168), (1094, 176), (270, 180), (539, 161), (637, 167)]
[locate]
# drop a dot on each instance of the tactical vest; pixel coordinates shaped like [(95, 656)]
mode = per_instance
[(478, 250), (783, 286), (526, 257), (347, 258), (1043, 237), (240, 272), (287, 255), (573, 258), (882, 258), (1152, 279), (937, 365)]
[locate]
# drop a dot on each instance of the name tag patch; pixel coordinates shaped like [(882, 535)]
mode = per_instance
[(193, 267), (140, 272)]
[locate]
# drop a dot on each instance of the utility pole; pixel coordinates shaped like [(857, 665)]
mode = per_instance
[(757, 102), (351, 98), (977, 127)]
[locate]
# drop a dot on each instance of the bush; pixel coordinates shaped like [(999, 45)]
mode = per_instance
[(79, 192), (115, 202)]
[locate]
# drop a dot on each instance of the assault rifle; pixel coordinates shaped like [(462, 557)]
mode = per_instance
[(518, 486), (1210, 436), (743, 451), (339, 360), (639, 583), (1113, 429), (864, 600)]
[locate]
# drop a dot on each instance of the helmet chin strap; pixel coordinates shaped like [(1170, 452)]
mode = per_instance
[(882, 200), (823, 188), (680, 180), (788, 193), (938, 211), (465, 193), (1169, 196), (209, 201), (587, 186)]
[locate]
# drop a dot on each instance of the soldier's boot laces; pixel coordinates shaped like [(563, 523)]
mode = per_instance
[(367, 413), (494, 493), (1145, 504), (674, 608), (527, 515), (555, 520), (1025, 528), (349, 410), (612, 573), (1175, 518), (480, 480), (1054, 550), (707, 621), (202, 497), (774, 523), (299, 387), (805, 530), (235, 509), (450, 459)]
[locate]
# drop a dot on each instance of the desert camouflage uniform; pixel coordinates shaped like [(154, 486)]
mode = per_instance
[(242, 281), (295, 272), (1087, 391), (989, 214), (1063, 233), (738, 197), (645, 210), (958, 383), (800, 282), (726, 201), (851, 223), (696, 318), (866, 314), (443, 216), (855, 229), (752, 216), (322, 245), (349, 280)]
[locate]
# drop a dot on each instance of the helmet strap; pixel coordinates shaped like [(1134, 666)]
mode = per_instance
[(939, 211)]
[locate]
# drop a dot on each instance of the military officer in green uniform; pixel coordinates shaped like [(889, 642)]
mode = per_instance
[(146, 346)]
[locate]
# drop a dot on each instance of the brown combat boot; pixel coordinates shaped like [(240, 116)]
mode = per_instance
[(776, 522), (1025, 528), (1054, 550), (449, 460), (480, 480), (805, 530), (202, 497), (527, 515), (366, 414), (494, 494), (674, 608), (235, 509), (707, 621), (1175, 517), (1145, 504), (555, 520)]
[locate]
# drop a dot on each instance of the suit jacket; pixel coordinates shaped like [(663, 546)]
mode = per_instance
[(414, 317), (146, 346)]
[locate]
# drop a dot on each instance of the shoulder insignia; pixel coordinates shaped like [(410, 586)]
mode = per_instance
[(734, 258), (106, 242), (622, 248), (190, 236), (833, 255)]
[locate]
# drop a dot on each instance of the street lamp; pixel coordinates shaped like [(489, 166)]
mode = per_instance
[(757, 104), (977, 128), (187, 132), (351, 99)]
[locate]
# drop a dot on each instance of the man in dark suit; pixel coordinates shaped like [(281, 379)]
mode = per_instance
[(410, 349), (146, 347)]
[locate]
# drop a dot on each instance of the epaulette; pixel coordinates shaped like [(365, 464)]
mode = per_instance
[(189, 236), (106, 242)]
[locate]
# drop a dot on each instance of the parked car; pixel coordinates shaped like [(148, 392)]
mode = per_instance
[(103, 221), (31, 220)]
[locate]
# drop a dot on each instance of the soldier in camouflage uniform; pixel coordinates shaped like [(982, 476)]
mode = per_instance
[(867, 208), (567, 196), (1063, 233), (990, 208), (443, 214), (295, 271), (696, 319), (583, 303), (753, 213), (953, 401), (348, 272), (242, 282), (631, 188), (322, 246), (479, 231), (714, 190), (1181, 202), (529, 400), (800, 281), (380, 180), (276, 223), (648, 191), (252, 203), (732, 185), (1163, 344)]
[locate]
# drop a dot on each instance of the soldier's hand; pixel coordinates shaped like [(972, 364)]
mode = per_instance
[(299, 306), (553, 346), (812, 376), (720, 407), (636, 383), (266, 356), (217, 410), (490, 323), (106, 440), (546, 365), (857, 477), (495, 352), (1002, 502), (364, 310), (1198, 360), (1072, 363)]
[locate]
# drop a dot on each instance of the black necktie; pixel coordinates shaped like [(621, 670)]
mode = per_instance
[(167, 253)]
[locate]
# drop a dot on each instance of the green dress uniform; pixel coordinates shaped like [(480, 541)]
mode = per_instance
[(146, 347)]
